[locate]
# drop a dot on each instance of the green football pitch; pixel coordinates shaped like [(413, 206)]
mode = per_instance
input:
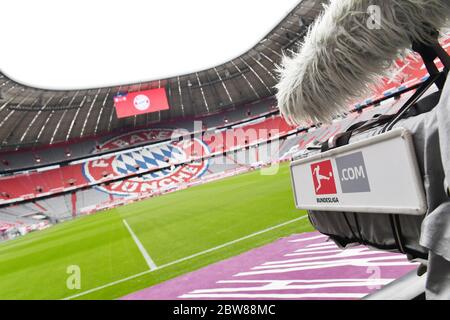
[(181, 232)]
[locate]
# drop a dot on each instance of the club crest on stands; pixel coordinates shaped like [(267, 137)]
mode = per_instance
[(164, 166)]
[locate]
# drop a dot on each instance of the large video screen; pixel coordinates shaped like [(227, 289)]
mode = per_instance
[(140, 102)]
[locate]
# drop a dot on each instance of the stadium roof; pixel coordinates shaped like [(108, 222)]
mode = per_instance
[(32, 117)]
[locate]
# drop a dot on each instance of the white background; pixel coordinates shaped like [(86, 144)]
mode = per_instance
[(88, 43)]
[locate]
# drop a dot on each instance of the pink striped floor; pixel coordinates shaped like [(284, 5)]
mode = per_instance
[(303, 266)]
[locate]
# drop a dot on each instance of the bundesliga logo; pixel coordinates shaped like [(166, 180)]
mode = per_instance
[(323, 178), (146, 159), (352, 175)]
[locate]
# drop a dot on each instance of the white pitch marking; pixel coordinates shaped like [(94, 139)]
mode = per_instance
[(275, 296), (342, 254), (340, 263), (289, 286), (151, 264), (307, 239), (318, 250), (183, 259), (320, 262), (326, 280), (311, 253), (312, 261), (323, 244)]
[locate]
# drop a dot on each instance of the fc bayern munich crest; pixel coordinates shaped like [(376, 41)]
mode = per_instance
[(141, 102), (149, 159)]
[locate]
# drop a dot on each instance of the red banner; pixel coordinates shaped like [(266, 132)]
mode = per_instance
[(140, 102)]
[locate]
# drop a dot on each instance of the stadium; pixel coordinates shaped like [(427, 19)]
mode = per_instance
[(214, 184)]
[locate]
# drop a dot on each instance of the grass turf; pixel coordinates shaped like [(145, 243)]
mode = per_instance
[(170, 227)]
